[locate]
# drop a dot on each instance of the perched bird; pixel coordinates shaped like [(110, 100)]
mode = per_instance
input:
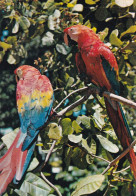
[(98, 63), (34, 96)]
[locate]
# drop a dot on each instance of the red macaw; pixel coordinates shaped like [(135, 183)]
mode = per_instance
[(96, 61), (34, 102)]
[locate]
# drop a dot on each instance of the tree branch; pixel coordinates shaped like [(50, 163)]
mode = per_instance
[(48, 182), (94, 90), (120, 99), (91, 91), (73, 92), (112, 163), (49, 153), (120, 171), (42, 165), (72, 106)]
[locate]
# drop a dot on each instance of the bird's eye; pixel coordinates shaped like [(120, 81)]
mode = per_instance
[(19, 73)]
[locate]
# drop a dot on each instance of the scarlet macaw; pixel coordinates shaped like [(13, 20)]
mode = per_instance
[(99, 64), (34, 96)]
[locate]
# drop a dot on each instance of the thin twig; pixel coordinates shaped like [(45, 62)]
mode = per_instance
[(120, 99), (48, 182), (89, 91), (108, 188), (122, 179), (112, 163), (73, 92), (72, 106), (41, 166), (94, 156), (49, 153), (58, 89), (120, 171), (94, 90)]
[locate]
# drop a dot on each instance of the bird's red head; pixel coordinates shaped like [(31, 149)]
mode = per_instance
[(75, 31), (24, 70)]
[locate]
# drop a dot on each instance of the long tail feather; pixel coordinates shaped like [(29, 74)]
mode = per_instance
[(7, 171), (119, 123), (13, 164)]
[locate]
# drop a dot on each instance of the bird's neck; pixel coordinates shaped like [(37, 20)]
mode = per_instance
[(87, 39)]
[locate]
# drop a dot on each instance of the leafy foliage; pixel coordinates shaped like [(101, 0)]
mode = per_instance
[(32, 33)]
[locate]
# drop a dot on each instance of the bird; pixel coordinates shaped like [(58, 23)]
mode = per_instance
[(34, 97), (96, 61)]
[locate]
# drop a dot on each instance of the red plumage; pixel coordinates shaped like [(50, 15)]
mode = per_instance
[(34, 101), (13, 159), (97, 61)]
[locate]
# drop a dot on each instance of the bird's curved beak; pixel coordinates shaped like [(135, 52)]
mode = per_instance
[(16, 78), (66, 38)]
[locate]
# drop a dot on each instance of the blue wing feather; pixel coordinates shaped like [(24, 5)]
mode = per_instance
[(111, 75), (37, 119)]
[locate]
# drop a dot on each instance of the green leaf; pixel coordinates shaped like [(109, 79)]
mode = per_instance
[(69, 113), (127, 189), (19, 192), (34, 185), (12, 40), (99, 118), (48, 39), (93, 146), (124, 3), (114, 193), (13, 58), (76, 127), (9, 138), (85, 145), (84, 120), (5, 46), (131, 46), (91, 149), (67, 126), (75, 138), (70, 82), (78, 8), (103, 34), (68, 155), (132, 59), (106, 155), (114, 40), (63, 49), (91, 2), (88, 185), (24, 23), (34, 163), (16, 27), (101, 13), (47, 4), (55, 131), (79, 158), (41, 19), (130, 30), (107, 145)]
